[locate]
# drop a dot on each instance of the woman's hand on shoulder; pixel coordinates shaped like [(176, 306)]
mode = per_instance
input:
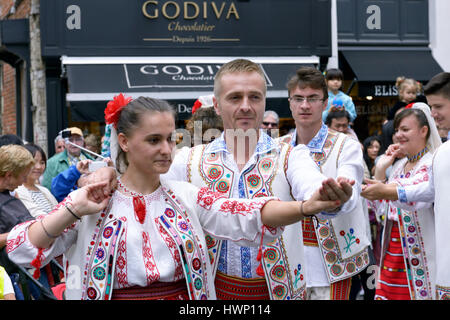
[(90, 198)]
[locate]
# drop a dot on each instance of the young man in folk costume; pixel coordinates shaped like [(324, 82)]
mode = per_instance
[(435, 189), (246, 163), (335, 249)]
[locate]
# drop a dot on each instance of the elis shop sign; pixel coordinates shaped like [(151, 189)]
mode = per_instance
[(140, 27)]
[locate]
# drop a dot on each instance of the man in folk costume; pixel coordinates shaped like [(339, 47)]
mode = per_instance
[(247, 163), (435, 189), (335, 249)]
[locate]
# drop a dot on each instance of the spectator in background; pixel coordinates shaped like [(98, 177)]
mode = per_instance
[(37, 199), (204, 121), (93, 143), (408, 92), (60, 144), (338, 119), (336, 97), (16, 163), (6, 287), (10, 139), (270, 123), (63, 160), (371, 150)]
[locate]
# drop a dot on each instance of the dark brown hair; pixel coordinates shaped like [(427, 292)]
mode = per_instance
[(130, 117), (308, 77), (420, 117), (439, 85)]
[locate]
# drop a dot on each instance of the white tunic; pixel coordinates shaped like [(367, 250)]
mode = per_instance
[(177, 214), (342, 240), (417, 226)]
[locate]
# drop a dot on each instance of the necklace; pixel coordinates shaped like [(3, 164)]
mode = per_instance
[(417, 156)]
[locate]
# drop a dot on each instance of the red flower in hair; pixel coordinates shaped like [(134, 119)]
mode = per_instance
[(197, 105), (114, 107)]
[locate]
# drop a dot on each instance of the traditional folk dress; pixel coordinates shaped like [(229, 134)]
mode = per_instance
[(147, 246), (275, 169), (336, 249), (408, 254), (436, 190)]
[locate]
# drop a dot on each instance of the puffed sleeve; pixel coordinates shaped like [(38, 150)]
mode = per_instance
[(24, 253), (350, 165), (238, 220), (302, 173)]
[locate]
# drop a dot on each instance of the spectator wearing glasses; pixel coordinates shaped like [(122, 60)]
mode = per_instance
[(67, 158), (270, 123)]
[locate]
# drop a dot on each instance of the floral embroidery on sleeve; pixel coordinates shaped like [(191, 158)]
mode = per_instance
[(206, 197)]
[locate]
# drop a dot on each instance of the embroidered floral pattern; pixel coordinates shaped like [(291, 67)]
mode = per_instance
[(349, 238)]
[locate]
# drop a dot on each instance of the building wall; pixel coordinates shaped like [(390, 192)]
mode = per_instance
[(439, 32), (10, 9)]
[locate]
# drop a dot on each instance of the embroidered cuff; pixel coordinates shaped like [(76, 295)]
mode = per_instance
[(401, 194)]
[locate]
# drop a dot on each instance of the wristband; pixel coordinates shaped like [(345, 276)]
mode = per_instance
[(71, 212), (301, 209)]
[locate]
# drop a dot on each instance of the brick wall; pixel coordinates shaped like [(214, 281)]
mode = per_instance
[(10, 9)]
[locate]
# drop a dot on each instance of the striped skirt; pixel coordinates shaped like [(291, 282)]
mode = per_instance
[(393, 282), (155, 291), (234, 288)]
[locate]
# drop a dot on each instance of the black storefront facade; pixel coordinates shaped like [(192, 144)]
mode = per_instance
[(171, 50), (379, 41)]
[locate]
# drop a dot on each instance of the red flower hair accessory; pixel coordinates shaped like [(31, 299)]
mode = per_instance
[(197, 105), (203, 102), (114, 107)]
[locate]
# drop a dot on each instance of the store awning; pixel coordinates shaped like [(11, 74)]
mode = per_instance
[(381, 64), (181, 80)]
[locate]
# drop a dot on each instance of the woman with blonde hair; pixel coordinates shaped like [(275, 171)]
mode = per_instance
[(15, 165)]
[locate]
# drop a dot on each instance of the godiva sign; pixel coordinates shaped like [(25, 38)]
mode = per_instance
[(155, 27), (206, 12), (189, 9)]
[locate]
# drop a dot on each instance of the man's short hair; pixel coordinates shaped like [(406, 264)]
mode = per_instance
[(439, 85), (14, 159), (308, 77), (336, 113), (237, 66)]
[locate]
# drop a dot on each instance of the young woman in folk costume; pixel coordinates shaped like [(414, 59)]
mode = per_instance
[(147, 241), (408, 249)]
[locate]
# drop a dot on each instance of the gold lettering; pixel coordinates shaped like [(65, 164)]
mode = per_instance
[(145, 12), (218, 13), (186, 9), (233, 10), (191, 10), (177, 10)]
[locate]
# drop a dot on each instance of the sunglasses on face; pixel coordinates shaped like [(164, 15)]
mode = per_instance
[(270, 124)]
